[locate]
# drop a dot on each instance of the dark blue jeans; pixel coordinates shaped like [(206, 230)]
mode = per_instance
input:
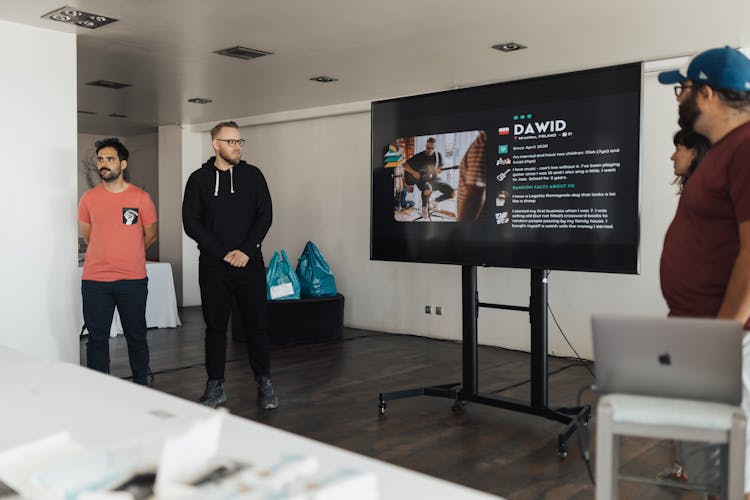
[(99, 301)]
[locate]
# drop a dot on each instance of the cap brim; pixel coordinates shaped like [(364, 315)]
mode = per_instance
[(674, 76)]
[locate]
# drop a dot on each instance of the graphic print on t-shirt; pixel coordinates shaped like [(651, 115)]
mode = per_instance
[(129, 216)]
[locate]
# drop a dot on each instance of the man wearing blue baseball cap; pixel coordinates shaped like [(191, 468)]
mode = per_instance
[(705, 263)]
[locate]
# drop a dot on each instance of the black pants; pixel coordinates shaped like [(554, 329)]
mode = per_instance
[(220, 284), (99, 301)]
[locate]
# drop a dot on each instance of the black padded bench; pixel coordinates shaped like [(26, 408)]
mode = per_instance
[(302, 321)]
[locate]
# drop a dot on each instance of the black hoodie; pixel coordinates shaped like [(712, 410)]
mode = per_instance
[(226, 210)]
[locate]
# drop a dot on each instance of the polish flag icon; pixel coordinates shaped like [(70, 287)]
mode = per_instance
[(503, 131)]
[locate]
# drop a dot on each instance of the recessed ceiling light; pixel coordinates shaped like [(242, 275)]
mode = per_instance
[(324, 79), (78, 17), (199, 100), (241, 52), (117, 115), (509, 47), (108, 84), (84, 112)]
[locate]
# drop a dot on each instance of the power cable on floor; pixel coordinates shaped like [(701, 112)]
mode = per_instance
[(528, 380), (585, 363)]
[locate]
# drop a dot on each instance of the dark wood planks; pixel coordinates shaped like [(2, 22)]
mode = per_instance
[(329, 392)]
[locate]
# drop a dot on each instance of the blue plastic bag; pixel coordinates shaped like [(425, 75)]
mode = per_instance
[(315, 277), (282, 282)]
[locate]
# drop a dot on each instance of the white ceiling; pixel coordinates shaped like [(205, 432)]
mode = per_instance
[(377, 49)]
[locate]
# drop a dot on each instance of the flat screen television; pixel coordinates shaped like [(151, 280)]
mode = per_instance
[(540, 173)]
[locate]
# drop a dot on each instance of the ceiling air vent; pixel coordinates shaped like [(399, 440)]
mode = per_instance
[(107, 84), (117, 115), (84, 112), (242, 52)]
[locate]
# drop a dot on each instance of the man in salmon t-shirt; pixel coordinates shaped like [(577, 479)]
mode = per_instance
[(118, 222)]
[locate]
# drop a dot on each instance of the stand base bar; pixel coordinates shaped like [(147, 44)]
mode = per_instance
[(571, 417), (440, 391)]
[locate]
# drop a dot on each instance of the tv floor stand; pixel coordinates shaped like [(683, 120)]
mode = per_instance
[(570, 417)]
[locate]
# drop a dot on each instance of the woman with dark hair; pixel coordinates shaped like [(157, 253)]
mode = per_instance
[(689, 150)]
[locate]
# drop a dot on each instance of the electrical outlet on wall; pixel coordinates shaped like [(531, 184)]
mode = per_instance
[(428, 309), (439, 310)]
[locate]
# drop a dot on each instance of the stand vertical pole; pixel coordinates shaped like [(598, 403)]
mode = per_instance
[(469, 310), (538, 318), (467, 391)]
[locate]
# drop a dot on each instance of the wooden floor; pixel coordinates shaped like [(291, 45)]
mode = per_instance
[(329, 392)]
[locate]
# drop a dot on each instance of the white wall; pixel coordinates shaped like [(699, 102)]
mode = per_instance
[(171, 186), (319, 174), (39, 297), (195, 150)]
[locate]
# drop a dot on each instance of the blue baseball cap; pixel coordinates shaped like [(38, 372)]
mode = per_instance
[(722, 68)]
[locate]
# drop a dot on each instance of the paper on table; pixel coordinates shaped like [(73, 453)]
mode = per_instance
[(187, 455), (58, 467), (18, 465)]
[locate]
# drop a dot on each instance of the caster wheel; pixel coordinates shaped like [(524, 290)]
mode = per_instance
[(458, 407), (587, 420), (562, 454), (381, 407)]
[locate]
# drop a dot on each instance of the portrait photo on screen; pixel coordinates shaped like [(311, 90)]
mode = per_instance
[(431, 176)]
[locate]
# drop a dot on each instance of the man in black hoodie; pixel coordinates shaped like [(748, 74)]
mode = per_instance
[(227, 211)]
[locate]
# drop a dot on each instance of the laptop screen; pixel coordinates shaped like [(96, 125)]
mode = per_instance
[(685, 358)]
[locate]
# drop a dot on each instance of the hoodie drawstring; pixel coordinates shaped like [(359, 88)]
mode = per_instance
[(231, 182)]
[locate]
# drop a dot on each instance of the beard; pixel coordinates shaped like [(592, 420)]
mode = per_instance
[(231, 160), (109, 175), (689, 113)]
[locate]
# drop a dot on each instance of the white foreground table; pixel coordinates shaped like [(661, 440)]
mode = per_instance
[(161, 303), (46, 398)]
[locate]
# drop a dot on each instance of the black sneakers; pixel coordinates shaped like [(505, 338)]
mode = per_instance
[(267, 398), (214, 394)]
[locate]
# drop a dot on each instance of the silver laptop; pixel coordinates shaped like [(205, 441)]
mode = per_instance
[(669, 357)]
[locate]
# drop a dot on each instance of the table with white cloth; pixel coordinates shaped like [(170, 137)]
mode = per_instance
[(161, 303)]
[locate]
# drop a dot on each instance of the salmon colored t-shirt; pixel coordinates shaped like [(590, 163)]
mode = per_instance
[(116, 246)]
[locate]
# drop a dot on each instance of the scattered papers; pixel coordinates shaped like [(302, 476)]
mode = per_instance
[(189, 467), (187, 455), (56, 467)]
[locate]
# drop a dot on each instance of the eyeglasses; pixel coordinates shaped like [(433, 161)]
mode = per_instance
[(679, 89), (233, 142)]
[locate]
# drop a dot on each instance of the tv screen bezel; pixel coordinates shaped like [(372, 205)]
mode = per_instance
[(586, 257)]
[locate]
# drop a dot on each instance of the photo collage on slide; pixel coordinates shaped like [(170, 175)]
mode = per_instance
[(437, 177)]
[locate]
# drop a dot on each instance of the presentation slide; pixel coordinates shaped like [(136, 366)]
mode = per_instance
[(536, 173)]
